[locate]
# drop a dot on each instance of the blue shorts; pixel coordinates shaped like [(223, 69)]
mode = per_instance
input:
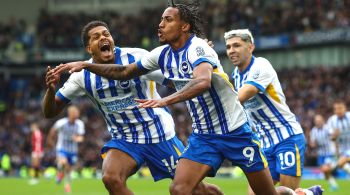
[(161, 158), (328, 159), (287, 157), (241, 147), (72, 158)]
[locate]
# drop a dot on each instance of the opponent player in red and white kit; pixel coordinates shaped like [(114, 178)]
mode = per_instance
[(37, 151)]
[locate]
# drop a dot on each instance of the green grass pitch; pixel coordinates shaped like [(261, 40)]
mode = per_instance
[(14, 186)]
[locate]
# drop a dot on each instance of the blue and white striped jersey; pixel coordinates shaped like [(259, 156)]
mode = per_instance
[(115, 100), (343, 124), (322, 138), (216, 111), (268, 109), (66, 131)]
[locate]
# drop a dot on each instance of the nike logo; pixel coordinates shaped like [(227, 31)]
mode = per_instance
[(283, 168), (250, 164)]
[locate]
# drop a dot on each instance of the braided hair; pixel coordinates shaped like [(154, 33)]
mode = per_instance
[(190, 14)]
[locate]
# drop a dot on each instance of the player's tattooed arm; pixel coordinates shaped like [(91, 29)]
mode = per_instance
[(200, 83), (110, 71)]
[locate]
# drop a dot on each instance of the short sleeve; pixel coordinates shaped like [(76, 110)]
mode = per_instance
[(199, 52), (328, 129), (261, 74), (138, 53), (150, 60), (330, 125), (72, 88), (81, 128), (312, 135), (58, 124)]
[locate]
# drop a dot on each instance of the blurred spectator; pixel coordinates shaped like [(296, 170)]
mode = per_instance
[(62, 30)]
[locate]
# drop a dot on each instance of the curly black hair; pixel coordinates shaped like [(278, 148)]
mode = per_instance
[(85, 32), (190, 14)]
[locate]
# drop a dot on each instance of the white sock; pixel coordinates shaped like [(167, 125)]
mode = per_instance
[(67, 177), (332, 181), (346, 167)]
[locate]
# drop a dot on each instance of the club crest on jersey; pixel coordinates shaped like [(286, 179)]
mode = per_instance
[(185, 68), (124, 84), (200, 51), (256, 74)]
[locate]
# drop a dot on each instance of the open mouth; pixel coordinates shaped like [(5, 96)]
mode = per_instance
[(105, 47)]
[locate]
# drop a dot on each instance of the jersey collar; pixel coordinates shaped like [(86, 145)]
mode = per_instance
[(188, 42), (249, 66)]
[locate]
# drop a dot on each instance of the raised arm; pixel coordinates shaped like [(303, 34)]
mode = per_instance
[(110, 71), (51, 105), (200, 83)]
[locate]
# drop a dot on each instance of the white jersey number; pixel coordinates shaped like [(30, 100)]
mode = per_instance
[(287, 159), (170, 163), (249, 153)]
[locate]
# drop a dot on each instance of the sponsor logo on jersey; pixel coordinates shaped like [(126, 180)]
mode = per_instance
[(256, 74), (200, 51)]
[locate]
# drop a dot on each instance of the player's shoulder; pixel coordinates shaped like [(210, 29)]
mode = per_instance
[(332, 117), (197, 43), (62, 121), (159, 49), (263, 65), (200, 48), (261, 61), (313, 129), (347, 114), (79, 121)]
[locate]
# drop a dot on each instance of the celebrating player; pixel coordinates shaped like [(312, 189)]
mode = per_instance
[(220, 128), (259, 90), (70, 132), (320, 138), (339, 123), (138, 135)]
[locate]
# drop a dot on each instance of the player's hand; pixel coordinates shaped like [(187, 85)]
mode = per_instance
[(210, 43), (51, 78), (150, 103), (70, 67)]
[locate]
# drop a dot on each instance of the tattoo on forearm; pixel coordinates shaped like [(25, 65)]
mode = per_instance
[(110, 71), (189, 91), (116, 71)]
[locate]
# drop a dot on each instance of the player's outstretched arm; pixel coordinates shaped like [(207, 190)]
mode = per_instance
[(201, 82), (110, 71)]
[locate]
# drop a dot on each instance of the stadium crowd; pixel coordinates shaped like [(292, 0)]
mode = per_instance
[(262, 17), (308, 92)]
